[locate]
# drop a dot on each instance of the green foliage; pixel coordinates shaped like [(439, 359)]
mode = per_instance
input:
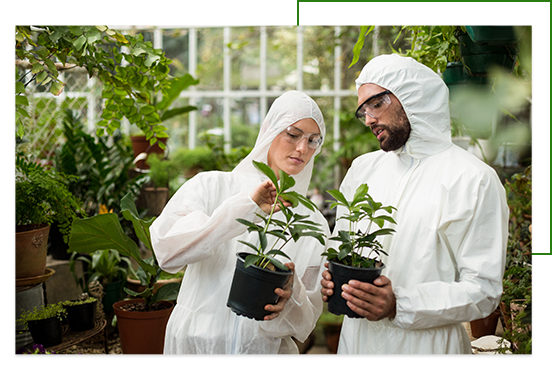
[(222, 160), (44, 312), (104, 266), (199, 158), (364, 31), (352, 241), (99, 167), (294, 227), (132, 72), (42, 196), (162, 171), (88, 300), (433, 46), (104, 232)]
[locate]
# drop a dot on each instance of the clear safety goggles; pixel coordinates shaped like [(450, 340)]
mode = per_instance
[(375, 106), (294, 135)]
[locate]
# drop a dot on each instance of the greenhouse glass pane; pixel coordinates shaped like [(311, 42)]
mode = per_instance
[(245, 56), (318, 58), (210, 62), (281, 58), (245, 121), (175, 45)]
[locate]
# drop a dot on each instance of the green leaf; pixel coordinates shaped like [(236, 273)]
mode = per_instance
[(177, 111), (277, 263), (250, 245), (364, 31), (141, 227), (341, 200), (251, 260), (104, 232), (57, 88), (176, 87), (268, 172), (168, 292)]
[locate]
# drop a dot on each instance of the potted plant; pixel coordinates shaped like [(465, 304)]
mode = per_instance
[(258, 274), (106, 266), (147, 311), (41, 197), (81, 314), (350, 262), (44, 323), (161, 173)]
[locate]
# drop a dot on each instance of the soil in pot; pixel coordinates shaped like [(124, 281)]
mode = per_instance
[(141, 331), (253, 288), (46, 332), (342, 274), (81, 317)]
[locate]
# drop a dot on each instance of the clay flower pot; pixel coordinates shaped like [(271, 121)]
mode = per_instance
[(142, 332), (31, 248)]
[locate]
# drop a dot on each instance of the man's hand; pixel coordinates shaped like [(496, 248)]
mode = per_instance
[(284, 294), (371, 301)]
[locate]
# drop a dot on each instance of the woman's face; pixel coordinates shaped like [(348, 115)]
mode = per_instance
[(292, 157)]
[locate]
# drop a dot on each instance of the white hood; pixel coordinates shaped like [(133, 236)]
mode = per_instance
[(423, 95), (286, 110)]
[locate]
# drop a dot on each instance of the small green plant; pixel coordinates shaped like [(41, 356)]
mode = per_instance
[(353, 240), (44, 312), (87, 300), (104, 232), (294, 227), (161, 171), (105, 266)]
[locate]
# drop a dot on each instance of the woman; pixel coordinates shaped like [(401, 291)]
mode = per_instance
[(198, 228)]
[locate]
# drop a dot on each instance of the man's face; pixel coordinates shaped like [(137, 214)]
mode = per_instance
[(392, 127)]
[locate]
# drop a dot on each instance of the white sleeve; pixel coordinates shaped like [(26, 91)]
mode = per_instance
[(477, 243), (196, 221)]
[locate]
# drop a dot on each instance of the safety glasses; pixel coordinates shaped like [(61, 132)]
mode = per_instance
[(374, 106), (294, 135)]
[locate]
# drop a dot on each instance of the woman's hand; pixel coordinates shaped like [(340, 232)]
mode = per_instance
[(264, 195), (284, 294)]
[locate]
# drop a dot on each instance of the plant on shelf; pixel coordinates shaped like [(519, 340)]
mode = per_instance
[(42, 196), (56, 310), (350, 260), (294, 227)]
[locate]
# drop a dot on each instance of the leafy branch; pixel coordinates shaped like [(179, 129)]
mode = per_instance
[(293, 227)]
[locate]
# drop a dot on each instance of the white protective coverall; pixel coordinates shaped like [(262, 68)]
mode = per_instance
[(198, 228), (446, 259)]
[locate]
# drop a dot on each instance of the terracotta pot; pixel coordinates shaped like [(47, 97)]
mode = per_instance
[(142, 332), (485, 326), (31, 248), (156, 199), (140, 145)]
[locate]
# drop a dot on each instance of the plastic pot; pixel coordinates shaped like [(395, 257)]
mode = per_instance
[(253, 288), (46, 332), (81, 317), (342, 274), (479, 59), (493, 34)]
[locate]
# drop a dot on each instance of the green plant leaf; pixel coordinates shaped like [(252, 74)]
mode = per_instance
[(251, 260), (250, 245), (341, 200), (168, 292), (266, 170), (141, 227)]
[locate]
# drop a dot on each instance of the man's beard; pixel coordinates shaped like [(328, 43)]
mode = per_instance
[(398, 133)]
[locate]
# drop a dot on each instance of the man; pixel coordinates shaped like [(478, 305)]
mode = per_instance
[(446, 259)]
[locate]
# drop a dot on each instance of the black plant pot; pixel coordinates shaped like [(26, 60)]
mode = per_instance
[(46, 332), (81, 317), (342, 274), (253, 288)]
